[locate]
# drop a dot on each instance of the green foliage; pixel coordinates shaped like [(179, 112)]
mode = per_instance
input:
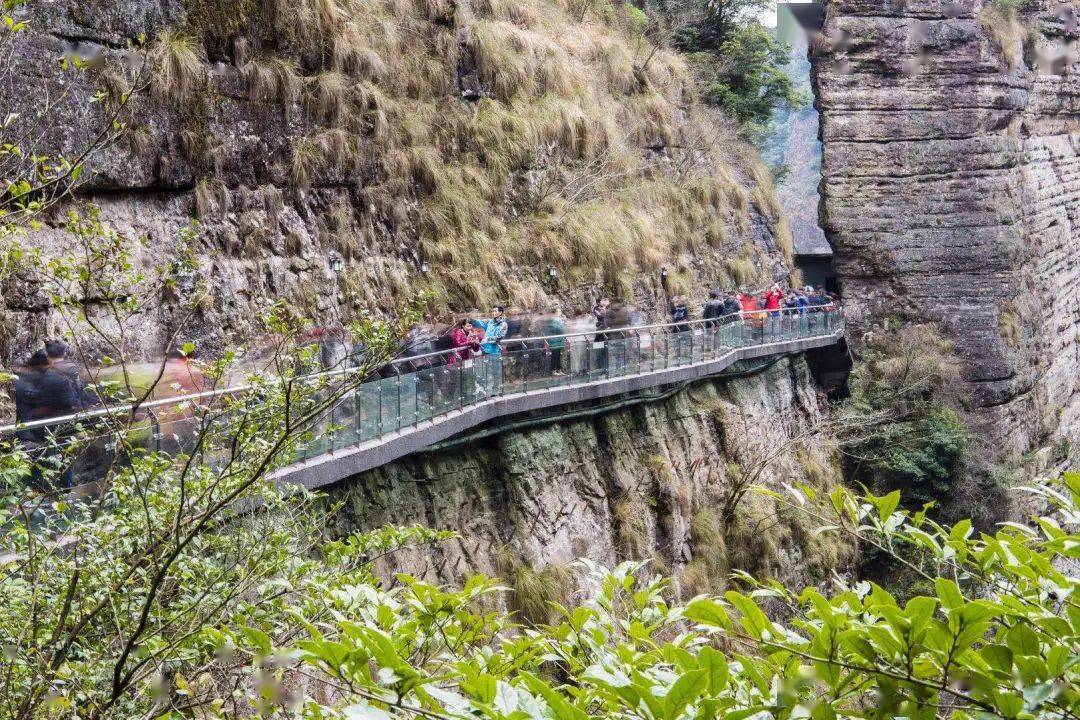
[(740, 62), (108, 592), (746, 78), (903, 426), (192, 586), (626, 652)]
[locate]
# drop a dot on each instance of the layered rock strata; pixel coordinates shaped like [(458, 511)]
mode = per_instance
[(647, 481), (951, 190)]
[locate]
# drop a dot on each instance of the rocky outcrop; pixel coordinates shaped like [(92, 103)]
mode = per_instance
[(951, 190), (342, 155), (647, 481)]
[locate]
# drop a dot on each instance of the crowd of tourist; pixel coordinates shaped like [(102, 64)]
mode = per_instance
[(48, 384), (756, 304)]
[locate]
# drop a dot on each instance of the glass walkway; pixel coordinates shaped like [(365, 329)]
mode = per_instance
[(417, 401)]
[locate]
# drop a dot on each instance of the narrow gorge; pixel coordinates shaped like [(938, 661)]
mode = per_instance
[(532, 359), (542, 156)]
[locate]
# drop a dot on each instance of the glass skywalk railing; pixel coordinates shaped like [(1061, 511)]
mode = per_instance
[(414, 390)]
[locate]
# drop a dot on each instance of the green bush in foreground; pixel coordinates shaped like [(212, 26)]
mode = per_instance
[(997, 638), (324, 638)]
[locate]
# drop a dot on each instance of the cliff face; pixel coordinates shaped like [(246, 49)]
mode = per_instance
[(644, 481), (487, 141), (951, 190)]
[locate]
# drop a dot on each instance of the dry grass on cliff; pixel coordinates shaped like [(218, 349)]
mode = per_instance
[(178, 61), (707, 571), (1002, 24), (532, 591), (573, 152)]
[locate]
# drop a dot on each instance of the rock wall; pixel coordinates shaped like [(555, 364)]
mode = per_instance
[(486, 142), (951, 190), (638, 482)]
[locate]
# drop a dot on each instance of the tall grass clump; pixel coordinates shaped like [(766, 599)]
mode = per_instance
[(566, 151)]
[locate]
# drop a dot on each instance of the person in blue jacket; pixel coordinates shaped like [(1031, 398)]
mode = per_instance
[(494, 331)]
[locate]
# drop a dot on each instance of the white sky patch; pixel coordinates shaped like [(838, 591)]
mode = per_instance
[(768, 18)]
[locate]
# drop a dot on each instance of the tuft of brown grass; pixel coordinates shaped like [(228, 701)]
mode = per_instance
[(326, 96), (707, 570), (534, 590), (632, 526), (1002, 25), (178, 64), (211, 199), (271, 80), (512, 11)]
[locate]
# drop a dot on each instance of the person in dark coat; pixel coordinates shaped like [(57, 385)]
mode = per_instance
[(59, 354), (54, 392), (731, 305), (679, 311), (27, 397), (46, 392), (713, 309)]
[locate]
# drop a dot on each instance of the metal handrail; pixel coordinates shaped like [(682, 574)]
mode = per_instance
[(127, 409), (740, 315)]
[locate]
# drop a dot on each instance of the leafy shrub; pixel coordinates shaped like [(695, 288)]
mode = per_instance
[(903, 426)]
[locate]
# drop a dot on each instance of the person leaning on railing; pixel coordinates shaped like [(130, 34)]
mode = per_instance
[(495, 329)]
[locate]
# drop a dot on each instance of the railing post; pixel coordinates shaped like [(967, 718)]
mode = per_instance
[(431, 403), (379, 400)]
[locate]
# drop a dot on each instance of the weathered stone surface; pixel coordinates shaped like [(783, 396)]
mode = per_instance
[(567, 490), (951, 193), (218, 156)]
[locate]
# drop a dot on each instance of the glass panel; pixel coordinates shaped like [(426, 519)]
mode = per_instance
[(421, 390)]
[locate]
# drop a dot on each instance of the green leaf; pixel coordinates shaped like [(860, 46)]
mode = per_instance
[(715, 664), (561, 708), (949, 593), (684, 691), (1022, 640), (1036, 695), (707, 612), (257, 638), (483, 687), (998, 657), (887, 504), (751, 616), (364, 711)]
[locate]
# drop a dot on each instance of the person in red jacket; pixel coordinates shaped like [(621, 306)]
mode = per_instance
[(774, 298), (752, 316), (748, 301), (460, 341), (772, 302)]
